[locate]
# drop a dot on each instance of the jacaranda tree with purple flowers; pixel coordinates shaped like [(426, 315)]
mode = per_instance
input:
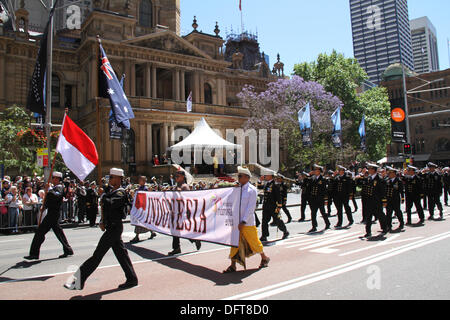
[(277, 108)]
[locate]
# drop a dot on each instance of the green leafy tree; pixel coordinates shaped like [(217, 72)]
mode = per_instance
[(18, 143), (377, 108), (15, 153)]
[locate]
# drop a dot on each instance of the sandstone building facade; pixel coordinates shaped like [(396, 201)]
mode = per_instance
[(142, 40)]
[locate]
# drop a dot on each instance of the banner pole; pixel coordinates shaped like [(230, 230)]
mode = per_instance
[(97, 105)]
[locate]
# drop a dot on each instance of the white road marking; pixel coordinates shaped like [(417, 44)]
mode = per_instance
[(328, 249), (12, 240), (381, 244), (342, 237), (324, 274), (316, 239)]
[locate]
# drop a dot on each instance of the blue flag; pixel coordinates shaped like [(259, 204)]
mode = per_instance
[(337, 128), (304, 119), (109, 87), (362, 133)]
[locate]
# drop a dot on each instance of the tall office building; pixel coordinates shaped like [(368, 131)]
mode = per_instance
[(381, 35), (424, 43)]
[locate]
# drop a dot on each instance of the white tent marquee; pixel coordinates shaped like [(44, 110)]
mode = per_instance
[(203, 137)]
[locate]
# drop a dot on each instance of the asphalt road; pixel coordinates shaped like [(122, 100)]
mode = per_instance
[(328, 265)]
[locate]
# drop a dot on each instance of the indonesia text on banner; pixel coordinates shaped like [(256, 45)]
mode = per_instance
[(206, 215)]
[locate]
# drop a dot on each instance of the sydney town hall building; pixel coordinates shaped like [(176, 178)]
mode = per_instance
[(143, 40)]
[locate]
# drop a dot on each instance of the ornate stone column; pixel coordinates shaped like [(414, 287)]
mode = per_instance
[(176, 87), (154, 88), (147, 80), (183, 85)]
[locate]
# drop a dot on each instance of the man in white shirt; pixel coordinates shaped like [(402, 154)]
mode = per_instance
[(249, 243)]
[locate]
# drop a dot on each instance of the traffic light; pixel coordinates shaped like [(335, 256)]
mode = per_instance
[(407, 148)]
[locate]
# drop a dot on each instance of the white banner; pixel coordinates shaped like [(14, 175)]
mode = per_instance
[(206, 215)]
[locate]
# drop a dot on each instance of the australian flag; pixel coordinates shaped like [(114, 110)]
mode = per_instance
[(36, 95), (110, 88)]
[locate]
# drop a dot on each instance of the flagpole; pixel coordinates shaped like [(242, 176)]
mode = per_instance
[(97, 105), (48, 93)]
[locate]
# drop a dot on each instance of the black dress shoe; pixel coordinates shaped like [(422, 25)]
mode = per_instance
[(285, 235), (312, 230), (198, 245), (128, 284), (328, 227), (174, 252), (31, 257), (263, 239), (66, 254)]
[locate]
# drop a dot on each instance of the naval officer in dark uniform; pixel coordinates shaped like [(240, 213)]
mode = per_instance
[(395, 195), (53, 202), (318, 197), (343, 193), (446, 180), (433, 190), (304, 183), (271, 206), (114, 205), (376, 200), (414, 192)]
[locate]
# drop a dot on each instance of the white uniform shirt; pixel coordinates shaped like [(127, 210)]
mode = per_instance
[(248, 204)]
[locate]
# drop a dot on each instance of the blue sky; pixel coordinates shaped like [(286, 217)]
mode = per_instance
[(301, 29)]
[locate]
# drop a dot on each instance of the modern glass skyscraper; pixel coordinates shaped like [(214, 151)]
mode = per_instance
[(424, 42), (381, 35)]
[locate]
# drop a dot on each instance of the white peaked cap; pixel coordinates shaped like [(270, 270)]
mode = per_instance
[(267, 172), (116, 172), (244, 170), (57, 174)]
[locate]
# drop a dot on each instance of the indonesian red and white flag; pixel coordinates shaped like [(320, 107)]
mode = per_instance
[(77, 149)]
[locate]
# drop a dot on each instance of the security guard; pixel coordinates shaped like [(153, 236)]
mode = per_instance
[(305, 184), (375, 201), (446, 179), (92, 204), (343, 193), (114, 211), (433, 190), (284, 192), (318, 198), (52, 202), (394, 194), (271, 206), (414, 192)]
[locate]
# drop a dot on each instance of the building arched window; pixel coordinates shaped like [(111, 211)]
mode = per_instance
[(56, 91), (208, 94), (442, 145), (145, 13)]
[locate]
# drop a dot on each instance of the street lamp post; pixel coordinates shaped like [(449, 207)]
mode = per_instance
[(48, 93)]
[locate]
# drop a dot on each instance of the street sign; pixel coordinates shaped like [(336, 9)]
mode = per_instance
[(42, 157)]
